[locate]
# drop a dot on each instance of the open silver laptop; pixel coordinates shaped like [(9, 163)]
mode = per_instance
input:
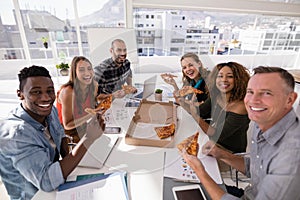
[(149, 87), (98, 153)]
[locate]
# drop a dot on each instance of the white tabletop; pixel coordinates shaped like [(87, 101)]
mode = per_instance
[(144, 165)]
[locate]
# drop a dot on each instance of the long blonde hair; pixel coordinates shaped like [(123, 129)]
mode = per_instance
[(202, 71)]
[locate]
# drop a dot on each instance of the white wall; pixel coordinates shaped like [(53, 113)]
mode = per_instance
[(286, 61), (10, 68), (100, 42)]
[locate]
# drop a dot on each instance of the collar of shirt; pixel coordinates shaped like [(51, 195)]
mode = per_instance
[(55, 128), (276, 132), (22, 114)]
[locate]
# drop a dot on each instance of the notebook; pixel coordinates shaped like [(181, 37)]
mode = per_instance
[(149, 87), (98, 153)]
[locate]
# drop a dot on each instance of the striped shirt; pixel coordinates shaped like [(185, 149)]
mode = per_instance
[(111, 77)]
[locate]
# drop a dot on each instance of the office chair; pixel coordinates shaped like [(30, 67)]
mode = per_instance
[(235, 175)]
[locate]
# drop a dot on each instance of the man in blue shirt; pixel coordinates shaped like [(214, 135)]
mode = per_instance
[(274, 163), (32, 139)]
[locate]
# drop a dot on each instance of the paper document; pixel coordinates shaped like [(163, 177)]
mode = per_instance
[(176, 167), (110, 186)]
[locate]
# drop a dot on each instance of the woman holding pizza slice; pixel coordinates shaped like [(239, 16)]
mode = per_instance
[(225, 108), (78, 94), (194, 75)]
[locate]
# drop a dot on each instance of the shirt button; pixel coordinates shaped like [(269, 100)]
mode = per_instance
[(257, 156), (252, 141), (260, 167)]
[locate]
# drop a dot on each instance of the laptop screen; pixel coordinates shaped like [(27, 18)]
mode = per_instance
[(98, 153), (149, 87)]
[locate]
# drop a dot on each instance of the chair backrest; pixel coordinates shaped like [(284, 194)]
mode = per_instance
[(249, 135), (298, 110), (59, 108)]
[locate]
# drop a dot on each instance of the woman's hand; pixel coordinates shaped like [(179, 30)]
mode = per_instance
[(211, 148), (168, 78), (179, 100), (95, 127), (194, 106)]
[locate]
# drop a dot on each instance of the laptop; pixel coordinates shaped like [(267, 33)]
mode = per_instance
[(149, 87), (98, 153)]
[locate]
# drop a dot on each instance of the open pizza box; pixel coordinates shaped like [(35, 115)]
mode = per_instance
[(151, 114)]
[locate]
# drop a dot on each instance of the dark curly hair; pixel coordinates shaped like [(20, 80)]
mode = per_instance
[(241, 77), (31, 72)]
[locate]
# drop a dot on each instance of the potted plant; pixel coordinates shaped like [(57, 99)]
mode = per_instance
[(45, 42), (64, 68), (158, 94)]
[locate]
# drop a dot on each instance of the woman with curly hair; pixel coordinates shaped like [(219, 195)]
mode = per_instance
[(194, 74), (225, 109)]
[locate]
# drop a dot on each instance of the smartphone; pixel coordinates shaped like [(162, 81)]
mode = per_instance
[(188, 192), (112, 130)]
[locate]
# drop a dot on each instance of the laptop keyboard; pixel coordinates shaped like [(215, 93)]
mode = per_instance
[(140, 95)]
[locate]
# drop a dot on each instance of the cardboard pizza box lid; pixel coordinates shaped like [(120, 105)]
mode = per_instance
[(148, 115)]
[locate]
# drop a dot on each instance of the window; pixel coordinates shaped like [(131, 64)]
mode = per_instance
[(45, 18), (252, 31)]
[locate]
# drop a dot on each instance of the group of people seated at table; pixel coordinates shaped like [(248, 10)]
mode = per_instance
[(33, 136)]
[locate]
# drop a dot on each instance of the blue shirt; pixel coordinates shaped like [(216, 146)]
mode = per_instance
[(274, 163), (27, 160)]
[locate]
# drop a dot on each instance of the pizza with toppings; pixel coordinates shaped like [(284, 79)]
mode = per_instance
[(128, 89), (103, 105), (166, 75), (165, 131), (190, 144), (188, 90)]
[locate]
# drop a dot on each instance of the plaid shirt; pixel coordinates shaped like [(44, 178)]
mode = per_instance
[(110, 77)]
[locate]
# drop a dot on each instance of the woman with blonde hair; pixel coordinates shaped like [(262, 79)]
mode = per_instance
[(194, 74)]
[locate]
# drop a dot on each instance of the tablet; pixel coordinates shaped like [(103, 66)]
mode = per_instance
[(188, 192)]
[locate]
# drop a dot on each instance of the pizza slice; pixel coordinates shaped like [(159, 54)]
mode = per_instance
[(167, 75), (190, 144), (103, 106), (128, 89), (188, 90), (105, 103), (165, 131)]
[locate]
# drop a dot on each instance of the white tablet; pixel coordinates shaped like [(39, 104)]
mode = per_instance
[(188, 192)]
